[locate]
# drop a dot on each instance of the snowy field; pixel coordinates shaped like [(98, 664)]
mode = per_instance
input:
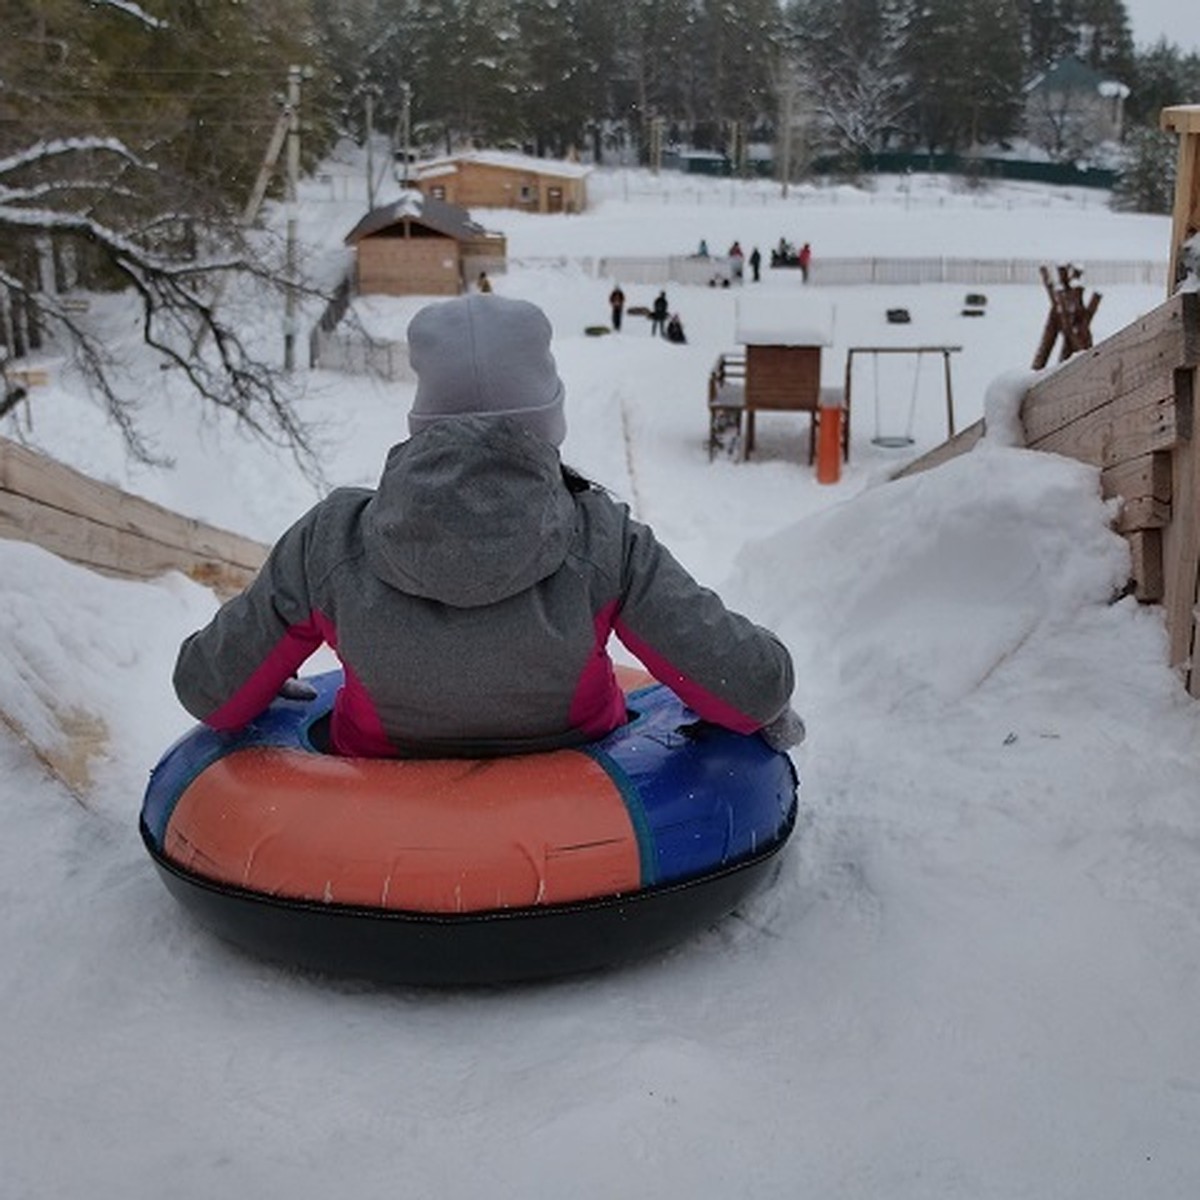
[(977, 972)]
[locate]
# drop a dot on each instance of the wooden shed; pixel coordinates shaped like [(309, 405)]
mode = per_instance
[(492, 179), (421, 246)]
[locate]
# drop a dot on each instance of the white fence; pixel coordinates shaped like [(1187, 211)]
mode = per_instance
[(854, 271), (355, 353), (851, 271)]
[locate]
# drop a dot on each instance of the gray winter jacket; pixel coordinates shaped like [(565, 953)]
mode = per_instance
[(470, 599)]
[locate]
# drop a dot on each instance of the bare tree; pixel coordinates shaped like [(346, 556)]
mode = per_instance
[(65, 194)]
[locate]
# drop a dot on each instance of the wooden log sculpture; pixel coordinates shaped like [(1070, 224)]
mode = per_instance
[(1070, 316)]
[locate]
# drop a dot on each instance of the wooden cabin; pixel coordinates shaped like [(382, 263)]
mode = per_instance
[(421, 246), (492, 179)]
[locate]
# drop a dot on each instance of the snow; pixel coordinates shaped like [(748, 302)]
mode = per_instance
[(977, 971), (518, 162), (803, 321)]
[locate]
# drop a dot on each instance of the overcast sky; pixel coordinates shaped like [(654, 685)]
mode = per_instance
[(1176, 20)]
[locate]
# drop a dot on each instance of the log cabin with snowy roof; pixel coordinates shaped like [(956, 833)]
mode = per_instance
[(497, 179)]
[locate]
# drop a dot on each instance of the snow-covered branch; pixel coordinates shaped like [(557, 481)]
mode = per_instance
[(58, 202), (43, 151), (132, 10)]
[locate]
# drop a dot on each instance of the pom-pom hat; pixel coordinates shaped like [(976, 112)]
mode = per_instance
[(485, 356)]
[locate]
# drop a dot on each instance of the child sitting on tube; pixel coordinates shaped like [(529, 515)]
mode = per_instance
[(471, 595)]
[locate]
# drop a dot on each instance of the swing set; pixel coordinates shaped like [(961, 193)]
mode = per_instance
[(899, 440)]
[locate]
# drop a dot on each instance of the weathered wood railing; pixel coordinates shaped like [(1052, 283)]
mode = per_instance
[(102, 527)]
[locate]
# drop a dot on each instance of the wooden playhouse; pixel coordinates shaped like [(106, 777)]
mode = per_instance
[(779, 369)]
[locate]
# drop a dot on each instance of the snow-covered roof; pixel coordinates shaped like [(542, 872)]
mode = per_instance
[(437, 215), (804, 321), (509, 160), (1074, 75), (437, 169)]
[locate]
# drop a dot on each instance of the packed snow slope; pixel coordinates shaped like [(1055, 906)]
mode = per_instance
[(977, 970)]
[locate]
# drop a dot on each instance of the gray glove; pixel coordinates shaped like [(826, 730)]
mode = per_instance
[(785, 731), (296, 689)]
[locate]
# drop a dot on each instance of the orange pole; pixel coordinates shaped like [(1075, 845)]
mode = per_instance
[(829, 444)]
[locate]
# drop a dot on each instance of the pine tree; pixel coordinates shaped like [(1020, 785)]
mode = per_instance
[(1146, 181)]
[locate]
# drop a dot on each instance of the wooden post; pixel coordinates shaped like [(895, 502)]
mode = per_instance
[(1184, 119)]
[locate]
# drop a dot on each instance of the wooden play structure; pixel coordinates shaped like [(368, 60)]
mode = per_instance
[(111, 531), (1128, 406), (779, 371), (1070, 316)]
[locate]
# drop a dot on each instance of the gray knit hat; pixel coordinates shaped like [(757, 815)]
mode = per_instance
[(485, 356)]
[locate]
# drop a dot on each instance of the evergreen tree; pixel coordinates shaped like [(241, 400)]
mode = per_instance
[(994, 70), (551, 72), (655, 66), (461, 72), (1049, 32), (1106, 42), (735, 46), (1146, 181), (1163, 76), (937, 74)]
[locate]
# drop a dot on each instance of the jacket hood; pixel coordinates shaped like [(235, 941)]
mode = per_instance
[(469, 512)]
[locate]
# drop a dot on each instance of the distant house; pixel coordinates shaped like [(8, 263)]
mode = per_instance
[(421, 246), (1071, 109), (704, 162), (492, 179)]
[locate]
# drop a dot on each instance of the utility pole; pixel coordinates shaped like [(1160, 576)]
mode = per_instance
[(656, 143), (370, 120), (405, 132), (253, 204), (293, 176)]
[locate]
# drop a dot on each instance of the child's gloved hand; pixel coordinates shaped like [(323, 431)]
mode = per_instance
[(297, 689), (785, 731)]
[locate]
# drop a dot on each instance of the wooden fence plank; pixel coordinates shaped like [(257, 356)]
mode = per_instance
[(960, 443), (1144, 485), (1181, 539), (99, 526), (1146, 564), (1125, 429), (1137, 361)]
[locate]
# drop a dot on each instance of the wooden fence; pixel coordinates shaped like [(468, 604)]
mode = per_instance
[(1128, 407), (111, 531)]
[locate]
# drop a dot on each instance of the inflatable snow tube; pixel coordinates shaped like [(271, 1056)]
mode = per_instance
[(466, 871)]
